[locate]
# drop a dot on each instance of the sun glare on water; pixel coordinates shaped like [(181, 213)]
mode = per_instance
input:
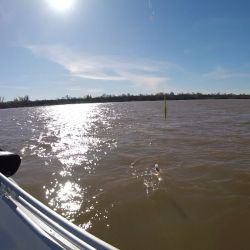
[(61, 5)]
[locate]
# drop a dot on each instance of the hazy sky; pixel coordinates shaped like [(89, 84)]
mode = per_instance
[(51, 48)]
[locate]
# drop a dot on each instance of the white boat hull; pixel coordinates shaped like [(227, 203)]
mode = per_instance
[(26, 223)]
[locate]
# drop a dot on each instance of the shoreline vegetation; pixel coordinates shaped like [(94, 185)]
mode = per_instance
[(24, 101)]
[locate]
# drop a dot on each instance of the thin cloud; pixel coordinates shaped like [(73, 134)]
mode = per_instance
[(106, 68), (6, 86), (221, 74), (84, 90)]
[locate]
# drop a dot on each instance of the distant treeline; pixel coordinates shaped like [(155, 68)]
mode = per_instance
[(26, 102)]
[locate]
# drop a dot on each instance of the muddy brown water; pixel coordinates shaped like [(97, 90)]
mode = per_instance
[(123, 173)]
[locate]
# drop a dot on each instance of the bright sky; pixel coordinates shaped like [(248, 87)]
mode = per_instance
[(53, 48)]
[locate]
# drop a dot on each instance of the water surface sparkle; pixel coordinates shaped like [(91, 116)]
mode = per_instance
[(71, 145), (135, 180)]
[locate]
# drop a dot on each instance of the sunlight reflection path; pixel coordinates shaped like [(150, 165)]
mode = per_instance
[(74, 138)]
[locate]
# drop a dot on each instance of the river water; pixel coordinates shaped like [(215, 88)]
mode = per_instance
[(138, 181)]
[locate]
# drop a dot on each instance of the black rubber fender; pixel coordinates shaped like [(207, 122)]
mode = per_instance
[(9, 163)]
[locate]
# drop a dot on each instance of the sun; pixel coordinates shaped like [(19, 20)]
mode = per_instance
[(61, 5)]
